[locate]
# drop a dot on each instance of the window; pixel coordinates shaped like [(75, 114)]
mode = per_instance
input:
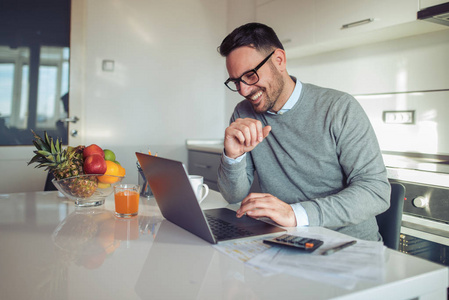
[(19, 110), (34, 69)]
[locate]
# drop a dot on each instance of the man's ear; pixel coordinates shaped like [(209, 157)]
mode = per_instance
[(280, 59)]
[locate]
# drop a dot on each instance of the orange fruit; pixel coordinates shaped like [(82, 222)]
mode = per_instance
[(121, 170), (111, 169)]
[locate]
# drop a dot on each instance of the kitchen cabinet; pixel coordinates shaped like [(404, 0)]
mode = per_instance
[(294, 26), (426, 3), (204, 164), (309, 27), (343, 19)]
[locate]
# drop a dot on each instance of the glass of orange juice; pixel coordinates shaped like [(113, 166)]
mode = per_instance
[(126, 200)]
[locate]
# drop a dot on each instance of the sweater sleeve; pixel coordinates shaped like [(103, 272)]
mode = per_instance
[(234, 180), (367, 191)]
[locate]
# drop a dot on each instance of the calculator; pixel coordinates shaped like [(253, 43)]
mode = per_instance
[(296, 242)]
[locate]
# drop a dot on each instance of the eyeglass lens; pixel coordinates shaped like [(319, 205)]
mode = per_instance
[(248, 78)]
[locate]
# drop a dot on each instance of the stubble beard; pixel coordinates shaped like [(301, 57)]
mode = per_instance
[(276, 86)]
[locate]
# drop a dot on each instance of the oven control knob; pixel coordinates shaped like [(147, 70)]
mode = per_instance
[(420, 202)]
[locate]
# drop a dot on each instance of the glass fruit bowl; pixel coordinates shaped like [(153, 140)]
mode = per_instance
[(89, 189)]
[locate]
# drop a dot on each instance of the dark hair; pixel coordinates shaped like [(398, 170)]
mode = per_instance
[(256, 35)]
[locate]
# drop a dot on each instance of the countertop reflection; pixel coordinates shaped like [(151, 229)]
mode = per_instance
[(53, 250)]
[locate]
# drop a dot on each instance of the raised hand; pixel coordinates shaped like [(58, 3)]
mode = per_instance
[(243, 135)]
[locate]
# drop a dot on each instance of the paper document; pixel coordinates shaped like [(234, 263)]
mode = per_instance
[(361, 261), (244, 250)]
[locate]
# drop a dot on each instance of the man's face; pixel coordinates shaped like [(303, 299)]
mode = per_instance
[(265, 93)]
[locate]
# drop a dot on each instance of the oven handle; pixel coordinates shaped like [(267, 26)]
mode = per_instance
[(425, 235)]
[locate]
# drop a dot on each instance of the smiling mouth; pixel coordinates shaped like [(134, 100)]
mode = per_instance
[(255, 98)]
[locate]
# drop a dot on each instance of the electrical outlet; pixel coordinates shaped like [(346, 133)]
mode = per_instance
[(399, 117), (108, 65)]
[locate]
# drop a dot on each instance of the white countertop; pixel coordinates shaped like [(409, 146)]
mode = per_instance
[(51, 250), (212, 146)]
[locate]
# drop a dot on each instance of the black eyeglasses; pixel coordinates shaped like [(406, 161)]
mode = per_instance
[(249, 77)]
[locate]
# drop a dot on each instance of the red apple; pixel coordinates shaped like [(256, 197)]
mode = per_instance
[(92, 150), (94, 164)]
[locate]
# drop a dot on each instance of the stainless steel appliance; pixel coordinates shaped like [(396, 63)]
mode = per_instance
[(413, 133), (425, 221)]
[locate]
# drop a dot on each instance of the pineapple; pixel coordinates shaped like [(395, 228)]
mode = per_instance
[(64, 163)]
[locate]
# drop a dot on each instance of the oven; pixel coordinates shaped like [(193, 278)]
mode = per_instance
[(425, 219)]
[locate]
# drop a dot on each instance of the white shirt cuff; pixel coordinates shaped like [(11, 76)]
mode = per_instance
[(233, 160), (300, 213)]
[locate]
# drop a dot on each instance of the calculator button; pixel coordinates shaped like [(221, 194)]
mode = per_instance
[(309, 245), (293, 241)]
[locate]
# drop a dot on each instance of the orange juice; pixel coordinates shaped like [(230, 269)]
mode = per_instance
[(126, 203)]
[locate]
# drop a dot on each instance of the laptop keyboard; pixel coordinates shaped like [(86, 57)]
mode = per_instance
[(223, 230)]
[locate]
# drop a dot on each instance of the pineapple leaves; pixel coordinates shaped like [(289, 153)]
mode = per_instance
[(39, 143), (49, 154), (52, 146), (35, 159), (57, 145)]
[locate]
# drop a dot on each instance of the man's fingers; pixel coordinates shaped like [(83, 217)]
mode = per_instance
[(257, 205), (243, 135), (251, 202), (253, 129), (234, 133), (266, 131)]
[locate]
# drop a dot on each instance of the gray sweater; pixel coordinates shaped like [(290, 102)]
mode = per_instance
[(322, 153)]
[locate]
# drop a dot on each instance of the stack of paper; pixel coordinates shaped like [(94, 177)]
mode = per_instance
[(361, 261)]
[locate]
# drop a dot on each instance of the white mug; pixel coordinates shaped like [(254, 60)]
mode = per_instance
[(201, 189)]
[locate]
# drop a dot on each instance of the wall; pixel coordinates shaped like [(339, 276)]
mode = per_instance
[(239, 12)]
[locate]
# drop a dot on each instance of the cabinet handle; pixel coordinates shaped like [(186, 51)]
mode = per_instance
[(358, 23), (202, 166)]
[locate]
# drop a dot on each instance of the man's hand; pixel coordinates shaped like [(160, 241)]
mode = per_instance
[(243, 135), (257, 205)]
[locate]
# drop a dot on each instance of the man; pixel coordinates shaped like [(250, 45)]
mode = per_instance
[(316, 155)]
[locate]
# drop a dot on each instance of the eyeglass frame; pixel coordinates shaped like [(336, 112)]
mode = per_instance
[(238, 80)]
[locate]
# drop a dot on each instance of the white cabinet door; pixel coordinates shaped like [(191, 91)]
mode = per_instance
[(342, 19), (293, 21), (308, 27), (427, 3)]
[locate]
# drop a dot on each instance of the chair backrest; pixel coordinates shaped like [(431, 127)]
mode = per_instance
[(389, 222), (49, 186)]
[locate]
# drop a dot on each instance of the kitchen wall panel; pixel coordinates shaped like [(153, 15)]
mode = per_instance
[(428, 131)]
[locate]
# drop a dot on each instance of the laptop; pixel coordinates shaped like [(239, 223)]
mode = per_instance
[(169, 182)]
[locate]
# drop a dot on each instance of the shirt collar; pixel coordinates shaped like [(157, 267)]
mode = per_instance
[(294, 97)]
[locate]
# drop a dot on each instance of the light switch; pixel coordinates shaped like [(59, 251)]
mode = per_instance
[(108, 65), (399, 117)]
